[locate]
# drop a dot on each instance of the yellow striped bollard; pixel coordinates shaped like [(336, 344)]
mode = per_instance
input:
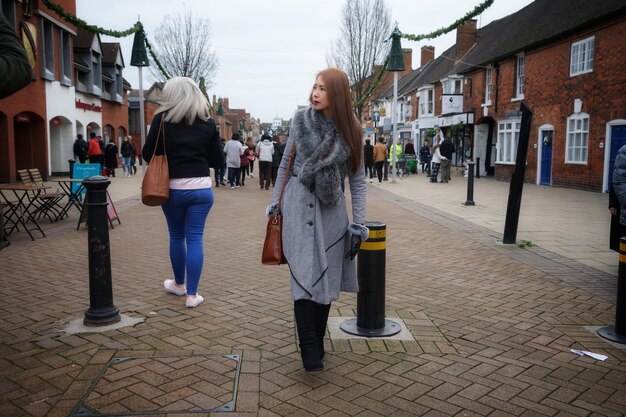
[(370, 307), (617, 333)]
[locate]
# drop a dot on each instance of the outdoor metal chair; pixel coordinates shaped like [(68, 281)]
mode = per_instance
[(45, 204)]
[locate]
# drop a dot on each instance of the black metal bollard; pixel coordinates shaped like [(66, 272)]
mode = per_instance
[(101, 311), (617, 333), (71, 162), (477, 167), (470, 184), (370, 307)]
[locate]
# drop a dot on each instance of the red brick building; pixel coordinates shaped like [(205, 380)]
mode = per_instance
[(78, 87), (565, 59)]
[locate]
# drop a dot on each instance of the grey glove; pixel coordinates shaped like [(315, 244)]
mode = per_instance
[(358, 233)]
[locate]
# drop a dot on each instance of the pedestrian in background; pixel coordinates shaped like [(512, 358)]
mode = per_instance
[(425, 157), (368, 157), (319, 242), (277, 156), (94, 152), (380, 157), (446, 149), (126, 150), (80, 149), (244, 165), (436, 163), (192, 147), (265, 150), (233, 150), (110, 158), (251, 155)]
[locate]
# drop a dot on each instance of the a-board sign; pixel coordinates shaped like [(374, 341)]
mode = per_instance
[(82, 171), (111, 212)]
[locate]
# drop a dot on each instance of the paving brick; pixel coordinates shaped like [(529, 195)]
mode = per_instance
[(493, 327)]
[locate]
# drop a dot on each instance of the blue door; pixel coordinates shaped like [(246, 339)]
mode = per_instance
[(546, 157), (618, 139)]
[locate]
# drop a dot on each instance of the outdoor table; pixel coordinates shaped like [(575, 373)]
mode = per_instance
[(74, 196), (20, 207)]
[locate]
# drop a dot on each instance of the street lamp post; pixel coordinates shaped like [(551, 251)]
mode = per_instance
[(395, 64), (139, 58)]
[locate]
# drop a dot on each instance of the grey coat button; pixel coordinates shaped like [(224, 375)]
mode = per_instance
[(310, 223), (311, 205)]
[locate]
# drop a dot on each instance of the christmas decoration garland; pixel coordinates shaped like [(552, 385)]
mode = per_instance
[(470, 15)]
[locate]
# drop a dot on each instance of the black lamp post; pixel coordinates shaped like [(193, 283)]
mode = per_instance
[(139, 58), (395, 64)]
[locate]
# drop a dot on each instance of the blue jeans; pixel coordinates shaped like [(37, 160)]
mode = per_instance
[(186, 212), (126, 167)]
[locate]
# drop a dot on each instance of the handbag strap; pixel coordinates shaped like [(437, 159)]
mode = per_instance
[(160, 134), (291, 157)]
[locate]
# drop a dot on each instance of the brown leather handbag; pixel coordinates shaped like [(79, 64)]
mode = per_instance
[(155, 187), (273, 245)]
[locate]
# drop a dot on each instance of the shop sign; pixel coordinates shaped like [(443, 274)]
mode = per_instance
[(451, 103), (87, 106)]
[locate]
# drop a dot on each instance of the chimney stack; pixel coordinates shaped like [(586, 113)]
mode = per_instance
[(407, 55), (465, 38), (428, 54)]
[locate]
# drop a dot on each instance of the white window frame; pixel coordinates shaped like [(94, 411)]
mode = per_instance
[(488, 85), (452, 85), (520, 69), (581, 56), (65, 55), (577, 139), (96, 73), (508, 137), (47, 50), (427, 102)]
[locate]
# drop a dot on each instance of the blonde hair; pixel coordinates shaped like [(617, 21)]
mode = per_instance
[(182, 99)]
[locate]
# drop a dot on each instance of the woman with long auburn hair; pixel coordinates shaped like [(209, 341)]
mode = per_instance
[(319, 241)]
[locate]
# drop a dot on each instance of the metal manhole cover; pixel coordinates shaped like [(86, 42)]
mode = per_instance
[(163, 385)]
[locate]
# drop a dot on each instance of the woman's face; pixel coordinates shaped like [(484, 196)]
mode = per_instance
[(319, 98)]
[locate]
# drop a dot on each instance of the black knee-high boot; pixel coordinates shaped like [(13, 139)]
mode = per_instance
[(305, 323), (321, 319)]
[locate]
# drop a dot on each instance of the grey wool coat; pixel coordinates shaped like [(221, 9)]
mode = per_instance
[(315, 234)]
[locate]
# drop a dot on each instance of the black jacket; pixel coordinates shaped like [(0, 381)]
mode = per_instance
[(447, 148), (191, 150), (368, 154)]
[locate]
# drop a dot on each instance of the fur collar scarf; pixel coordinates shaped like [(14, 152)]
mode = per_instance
[(323, 153)]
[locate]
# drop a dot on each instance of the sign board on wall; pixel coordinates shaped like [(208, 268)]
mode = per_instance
[(451, 103)]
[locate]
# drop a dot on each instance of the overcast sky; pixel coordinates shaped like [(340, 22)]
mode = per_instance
[(270, 50)]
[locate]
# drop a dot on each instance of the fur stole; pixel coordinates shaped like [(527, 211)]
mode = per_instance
[(324, 154)]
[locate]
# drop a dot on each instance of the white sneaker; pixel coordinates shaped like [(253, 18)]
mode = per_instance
[(194, 301), (371, 181)]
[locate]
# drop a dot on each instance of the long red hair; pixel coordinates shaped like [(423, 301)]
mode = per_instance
[(340, 109)]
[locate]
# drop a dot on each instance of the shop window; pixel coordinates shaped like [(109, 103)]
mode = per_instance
[(577, 139)]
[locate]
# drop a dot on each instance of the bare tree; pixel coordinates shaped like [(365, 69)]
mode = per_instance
[(364, 27), (182, 46)]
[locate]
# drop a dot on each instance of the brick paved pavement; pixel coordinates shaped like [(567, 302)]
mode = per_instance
[(493, 324)]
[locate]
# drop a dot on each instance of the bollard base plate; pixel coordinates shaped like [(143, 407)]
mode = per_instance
[(469, 203), (95, 317), (391, 328), (609, 333)]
